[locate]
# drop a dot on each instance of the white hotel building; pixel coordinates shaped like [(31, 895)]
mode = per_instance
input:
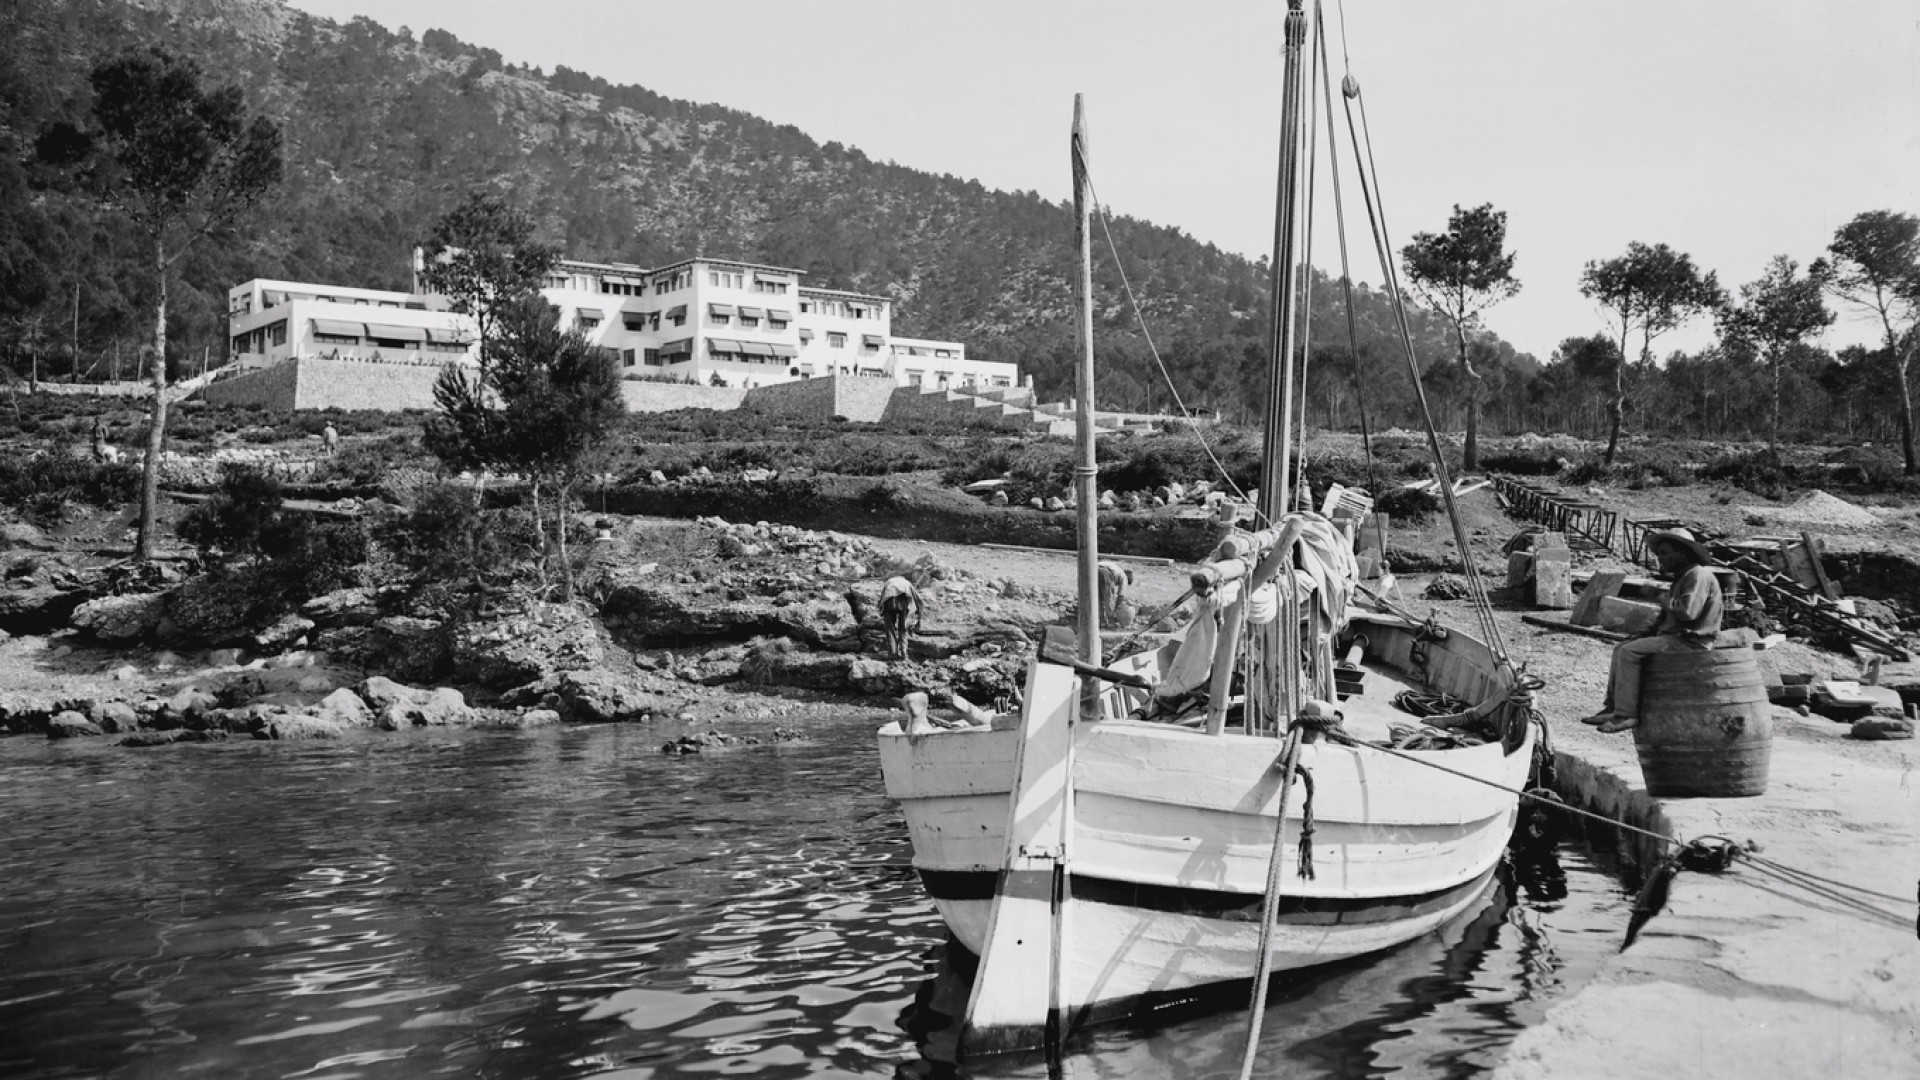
[(705, 321)]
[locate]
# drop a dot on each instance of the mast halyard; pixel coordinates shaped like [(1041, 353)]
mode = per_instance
[(1276, 490), (1085, 472)]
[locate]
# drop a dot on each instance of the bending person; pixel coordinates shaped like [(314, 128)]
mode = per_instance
[(1690, 619)]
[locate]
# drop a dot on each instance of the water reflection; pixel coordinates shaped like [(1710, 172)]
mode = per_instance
[(572, 904)]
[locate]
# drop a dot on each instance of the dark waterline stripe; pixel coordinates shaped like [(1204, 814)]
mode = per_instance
[(1216, 903)]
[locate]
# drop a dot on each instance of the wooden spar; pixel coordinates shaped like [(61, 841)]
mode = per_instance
[(1012, 1007), (1086, 471), (1276, 486)]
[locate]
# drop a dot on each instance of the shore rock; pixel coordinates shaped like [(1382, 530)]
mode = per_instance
[(71, 725), (120, 618), (212, 609), (397, 706), (409, 648), (282, 633), (592, 697), (345, 708), (519, 648), (288, 726), (114, 717)]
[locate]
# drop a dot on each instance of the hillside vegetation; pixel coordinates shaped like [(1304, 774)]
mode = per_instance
[(386, 130)]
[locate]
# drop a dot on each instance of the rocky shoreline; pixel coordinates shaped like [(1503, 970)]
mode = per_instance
[(661, 631)]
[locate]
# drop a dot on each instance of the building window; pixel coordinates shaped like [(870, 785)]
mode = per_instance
[(725, 320), (725, 280), (588, 322), (806, 337), (651, 357), (334, 339), (806, 306), (278, 332), (913, 378), (748, 321), (836, 340), (626, 358), (635, 321), (776, 287)]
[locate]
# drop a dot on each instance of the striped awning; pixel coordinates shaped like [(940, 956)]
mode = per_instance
[(678, 311), (779, 316), (780, 349), (753, 312), (873, 341), (389, 332), (806, 336), (720, 309), (593, 313), (337, 328), (756, 348), (722, 345), (448, 337), (683, 347)]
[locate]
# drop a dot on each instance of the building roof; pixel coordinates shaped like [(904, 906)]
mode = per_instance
[(842, 294), (637, 270)]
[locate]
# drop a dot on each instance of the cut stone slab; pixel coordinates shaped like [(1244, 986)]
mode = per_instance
[(1552, 578), (1628, 616), (1604, 583)]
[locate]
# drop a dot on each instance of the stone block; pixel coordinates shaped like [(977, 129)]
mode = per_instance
[(1519, 569), (1628, 616), (1552, 578), (1603, 584)]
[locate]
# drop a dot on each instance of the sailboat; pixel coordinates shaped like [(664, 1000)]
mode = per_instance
[(1157, 826)]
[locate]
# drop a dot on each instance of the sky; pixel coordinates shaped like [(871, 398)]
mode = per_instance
[(1732, 130)]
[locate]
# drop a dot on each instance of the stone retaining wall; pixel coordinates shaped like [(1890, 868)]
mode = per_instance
[(651, 397)]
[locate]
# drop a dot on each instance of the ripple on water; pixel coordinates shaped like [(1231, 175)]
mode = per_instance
[(570, 903)]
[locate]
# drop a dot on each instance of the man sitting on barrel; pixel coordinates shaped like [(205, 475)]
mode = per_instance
[(1690, 619)]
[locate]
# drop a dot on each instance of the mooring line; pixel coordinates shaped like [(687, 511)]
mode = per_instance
[(1814, 883)]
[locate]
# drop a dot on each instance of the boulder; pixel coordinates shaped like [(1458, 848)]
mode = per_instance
[(379, 692), (71, 725), (144, 739), (1625, 616), (188, 705), (518, 648), (288, 726), (213, 608), (405, 707), (282, 633), (592, 697), (345, 708), (409, 648), (114, 717), (225, 658), (120, 618)]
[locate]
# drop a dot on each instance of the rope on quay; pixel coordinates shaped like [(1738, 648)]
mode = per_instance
[(1709, 853)]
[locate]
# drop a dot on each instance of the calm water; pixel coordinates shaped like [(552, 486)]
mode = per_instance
[(570, 903)]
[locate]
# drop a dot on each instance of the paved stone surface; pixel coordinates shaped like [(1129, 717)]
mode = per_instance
[(1742, 976)]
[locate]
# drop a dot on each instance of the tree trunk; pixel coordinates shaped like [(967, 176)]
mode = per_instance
[(566, 562), (1900, 363), (1617, 409), (156, 415), (1773, 431), (1471, 461)]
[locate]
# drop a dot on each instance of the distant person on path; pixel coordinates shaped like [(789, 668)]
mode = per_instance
[(898, 597), (330, 439), (1690, 619)]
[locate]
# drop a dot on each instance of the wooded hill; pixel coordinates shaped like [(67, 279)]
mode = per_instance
[(385, 130)]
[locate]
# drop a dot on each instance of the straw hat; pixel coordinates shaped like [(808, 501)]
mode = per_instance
[(1685, 539)]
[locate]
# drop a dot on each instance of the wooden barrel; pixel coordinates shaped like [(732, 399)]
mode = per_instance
[(1705, 724)]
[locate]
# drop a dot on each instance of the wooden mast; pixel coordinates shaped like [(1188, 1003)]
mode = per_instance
[(1276, 490), (1085, 472)]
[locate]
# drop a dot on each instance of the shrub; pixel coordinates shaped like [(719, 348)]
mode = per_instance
[(1409, 505), (43, 485), (1759, 471), (1523, 463)]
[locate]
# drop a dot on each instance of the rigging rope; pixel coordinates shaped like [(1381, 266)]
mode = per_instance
[(1141, 318), (1340, 231), (1263, 968), (1376, 218)]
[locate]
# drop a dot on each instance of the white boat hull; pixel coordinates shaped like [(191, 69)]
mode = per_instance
[(1171, 831)]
